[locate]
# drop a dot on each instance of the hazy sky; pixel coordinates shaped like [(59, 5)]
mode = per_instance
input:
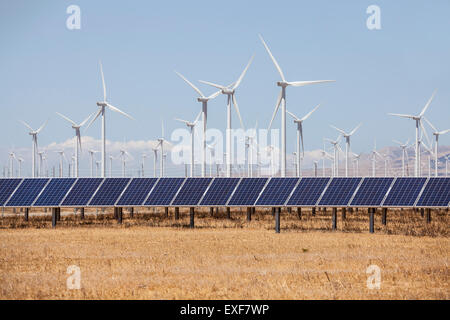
[(45, 67)]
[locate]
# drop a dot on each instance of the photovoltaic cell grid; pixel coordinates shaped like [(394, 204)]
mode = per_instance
[(339, 192), (191, 192), (54, 192), (308, 191), (82, 191), (436, 193), (247, 192), (404, 192), (109, 192), (372, 191), (164, 191), (137, 191), (7, 187), (27, 192), (219, 191), (277, 191)]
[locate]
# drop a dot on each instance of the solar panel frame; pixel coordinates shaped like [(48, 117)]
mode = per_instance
[(129, 188), (390, 181), (290, 201), (27, 196), (12, 185), (276, 180), (52, 205), (224, 198), (431, 184), (191, 183), (333, 203), (241, 183), (108, 198), (77, 204), (384, 205), (154, 190)]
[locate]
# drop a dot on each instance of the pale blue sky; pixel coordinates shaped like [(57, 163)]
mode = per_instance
[(44, 67)]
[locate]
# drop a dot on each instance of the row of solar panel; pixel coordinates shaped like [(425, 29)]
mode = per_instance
[(242, 192)]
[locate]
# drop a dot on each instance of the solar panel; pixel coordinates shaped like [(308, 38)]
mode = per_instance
[(82, 192), (339, 192), (404, 192), (7, 187), (136, 192), (109, 192), (436, 193), (247, 192), (219, 192), (164, 191), (277, 191), (28, 190), (54, 192), (308, 192), (191, 192), (371, 192)]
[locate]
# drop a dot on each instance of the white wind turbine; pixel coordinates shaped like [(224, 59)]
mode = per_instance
[(77, 146), (97, 163), (282, 100), (91, 154), (155, 159), (356, 160), (252, 145), (161, 142), (20, 160), (124, 155), (404, 146), (111, 158), (229, 91), (418, 120), (347, 144), (33, 133), (191, 126), (102, 111), (62, 157), (204, 100), (143, 156), (336, 149), (436, 133), (12, 157), (212, 155), (299, 123)]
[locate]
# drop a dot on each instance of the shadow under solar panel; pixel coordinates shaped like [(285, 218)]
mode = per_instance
[(247, 192), (404, 192), (339, 192), (164, 192), (27, 192), (277, 192), (7, 187), (308, 192), (372, 192), (436, 194), (136, 192), (54, 192), (81, 192), (219, 192)]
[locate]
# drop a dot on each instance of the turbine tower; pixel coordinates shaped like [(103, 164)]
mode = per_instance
[(436, 133), (33, 134), (347, 144), (161, 142), (20, 160), (282, 100), (229, 92), (418, 120), (299, 123), (91, 154), (62, 156), (336, 149), (403, 146), (204, 100), (103, 105), (191, 126)]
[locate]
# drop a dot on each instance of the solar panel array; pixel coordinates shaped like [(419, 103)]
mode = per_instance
[(306, 192)]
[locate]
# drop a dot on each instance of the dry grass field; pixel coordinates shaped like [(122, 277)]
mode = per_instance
[(151, 256)]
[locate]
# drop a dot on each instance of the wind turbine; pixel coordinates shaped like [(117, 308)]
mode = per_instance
[(33, 133), (76, 127), (347, 143), (62, 157), (436, 133), (299, 123), (229, 91), (336, 149), (418, 120), (191, 126), (212, 154), (103, 105), (97, 163), (20, 160), (124, 154), (91, 154), (12, 157), (403, 146), (110, 164), (282, 100), (204, 100), (251, 142), (144, 155), (160, 144), (357, 157), (155, 159)]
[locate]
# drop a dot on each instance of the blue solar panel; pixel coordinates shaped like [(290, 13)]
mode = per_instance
[(372, 191), (191, 192), (436, 193), (109, 192), (247, 192), (7, 187), (219, 192), (82, 192), (164, 191), (339, 192), (404, 192), (308, 192), (27, 192), (277, 191), (137, 191), (54, 192)]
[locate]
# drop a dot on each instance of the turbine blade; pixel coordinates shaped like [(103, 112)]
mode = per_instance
[(26, 125), (42, 127), (238, 82), (398, 142), (276, 110), (79, 140), (443, 132), (86, 120), (96, 116), (273, 58), (305, 83), (354, 130), (218, 86), (402, 115), (301, 138), (428, 104), (429, 123), (310, 113), (214, 95), (198, 117), (181, 120), (119, 111), (237, 110), (340, 130), (425, 132), (103, 81), (66, 118), (189, 83), (292, 115)]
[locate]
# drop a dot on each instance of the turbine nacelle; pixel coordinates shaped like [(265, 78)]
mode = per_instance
[(102, 104), (282, 84)]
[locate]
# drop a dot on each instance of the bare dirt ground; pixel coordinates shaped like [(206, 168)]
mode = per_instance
[(151, 256)]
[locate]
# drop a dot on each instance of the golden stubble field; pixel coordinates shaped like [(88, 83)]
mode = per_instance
[(152, 256)]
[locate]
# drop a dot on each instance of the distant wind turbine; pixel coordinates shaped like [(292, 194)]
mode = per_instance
[(347, 144), (404, 146), (436, 133), (33, 133), (191, 126)]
